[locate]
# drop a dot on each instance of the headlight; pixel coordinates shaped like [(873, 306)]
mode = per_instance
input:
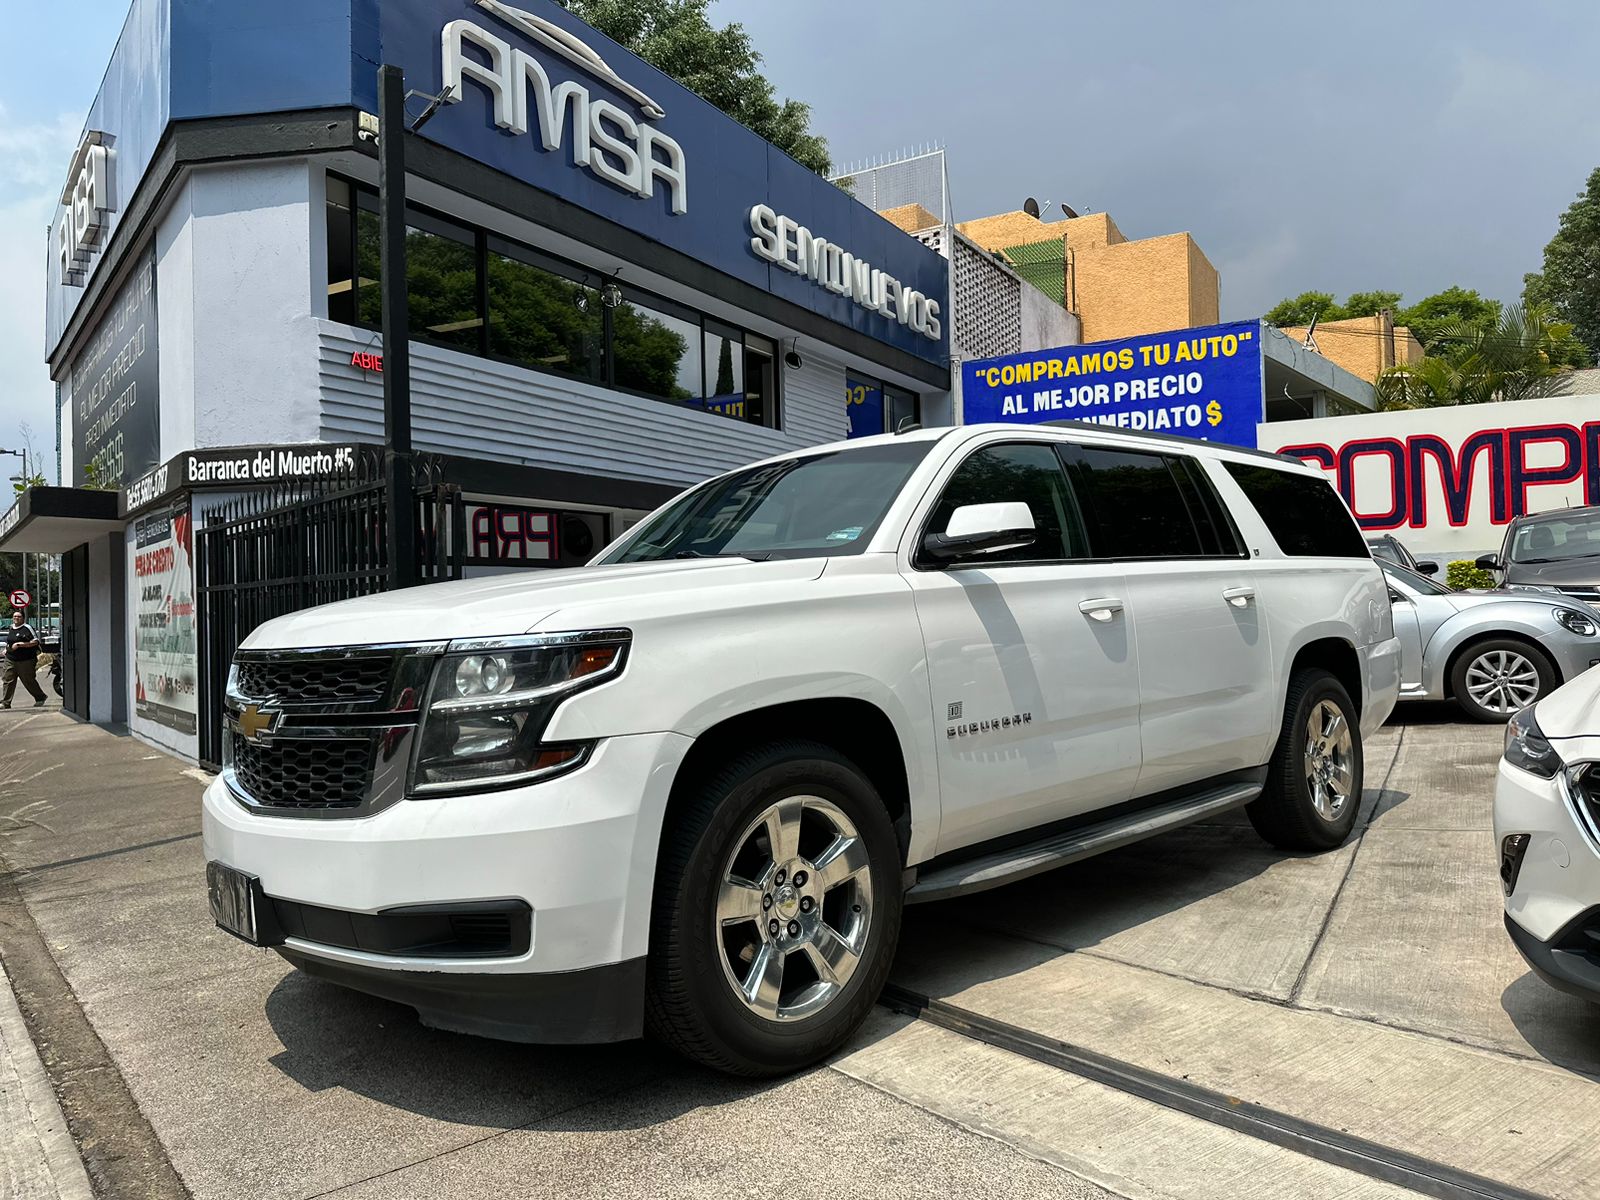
[(1576, 621), (1528, 748), (489, 704)]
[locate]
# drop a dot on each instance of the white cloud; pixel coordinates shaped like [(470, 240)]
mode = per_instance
[(36, 158)]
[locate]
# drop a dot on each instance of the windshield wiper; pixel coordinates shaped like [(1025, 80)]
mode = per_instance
[(751, 555)]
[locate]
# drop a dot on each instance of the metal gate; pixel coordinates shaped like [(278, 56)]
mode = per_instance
[(299, 545)]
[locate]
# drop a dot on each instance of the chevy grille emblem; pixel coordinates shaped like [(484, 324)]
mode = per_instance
[(253, 722)]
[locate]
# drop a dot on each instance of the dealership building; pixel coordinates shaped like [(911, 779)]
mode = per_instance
[(615, 290)]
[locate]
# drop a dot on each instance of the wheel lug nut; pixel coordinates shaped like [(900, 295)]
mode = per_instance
[(779, 878), (766, 902), (794, 928), (772, 928), (806, 904), (799, 879)]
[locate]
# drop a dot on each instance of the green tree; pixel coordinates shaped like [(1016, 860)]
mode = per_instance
[(1521, 356), (1570, 281), (1368, 304), (677, 37), (1455, 305), (1301, 309)]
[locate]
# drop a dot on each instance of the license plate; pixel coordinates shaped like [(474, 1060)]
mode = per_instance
[(233, 900)]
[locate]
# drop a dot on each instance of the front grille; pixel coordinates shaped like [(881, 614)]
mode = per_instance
[(305, 774), (362, 682), (1583, 782)]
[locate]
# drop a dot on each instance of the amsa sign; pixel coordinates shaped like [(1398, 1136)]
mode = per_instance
[(1446, 481)]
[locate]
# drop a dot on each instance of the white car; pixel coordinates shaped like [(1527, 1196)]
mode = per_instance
[(1547, 826), (691, 785)]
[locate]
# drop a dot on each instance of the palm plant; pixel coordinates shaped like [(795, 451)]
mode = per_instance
[(1514, 359)]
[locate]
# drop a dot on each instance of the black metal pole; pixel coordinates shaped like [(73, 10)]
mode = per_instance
[(402, 533)]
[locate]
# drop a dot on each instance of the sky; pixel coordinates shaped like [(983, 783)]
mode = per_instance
[(1400, 146)]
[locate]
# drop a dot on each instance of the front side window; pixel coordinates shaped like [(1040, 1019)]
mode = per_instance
[(819, 505), (1303, 513), (1028, 473), (1137, 504)]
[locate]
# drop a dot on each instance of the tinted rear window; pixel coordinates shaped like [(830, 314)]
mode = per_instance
[(1147, 505), (1303, 513)]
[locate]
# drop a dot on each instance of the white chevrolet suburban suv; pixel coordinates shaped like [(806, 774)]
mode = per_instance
[(689, 787)]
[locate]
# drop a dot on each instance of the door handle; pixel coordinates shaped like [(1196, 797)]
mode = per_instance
[(1102, 609), (1239, 597)]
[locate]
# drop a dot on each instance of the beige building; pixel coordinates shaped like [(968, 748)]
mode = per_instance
[(1118, 288), (1364, 346)]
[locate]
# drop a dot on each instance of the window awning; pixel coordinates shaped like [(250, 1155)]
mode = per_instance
[(53, 520)]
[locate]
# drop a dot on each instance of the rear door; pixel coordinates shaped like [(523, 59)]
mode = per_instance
[(1031, 661), (1207, 688)]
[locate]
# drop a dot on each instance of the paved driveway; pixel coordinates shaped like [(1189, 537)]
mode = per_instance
[(1369, 989)]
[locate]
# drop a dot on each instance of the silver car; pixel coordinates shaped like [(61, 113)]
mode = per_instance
[(1492, 652)]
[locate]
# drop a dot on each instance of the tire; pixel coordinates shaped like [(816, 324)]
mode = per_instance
[(697, 962), (1291, 813), (1528, 676)]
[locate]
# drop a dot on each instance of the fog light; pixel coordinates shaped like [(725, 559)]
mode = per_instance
[(1513, 848)]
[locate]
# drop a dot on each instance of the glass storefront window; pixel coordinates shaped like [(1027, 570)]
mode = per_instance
[(760, 381), (442, 282), (341, 252), (656, 351), (725, 370), (540, 319), (873, 407), (483, 294)]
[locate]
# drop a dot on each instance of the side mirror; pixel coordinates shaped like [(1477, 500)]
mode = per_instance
[(1489, 562), (976, 529), (1427, 568)]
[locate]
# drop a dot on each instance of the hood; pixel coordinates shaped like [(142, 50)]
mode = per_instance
[(1573, 572), (1473, 597), (514, 603), (1573, 709)]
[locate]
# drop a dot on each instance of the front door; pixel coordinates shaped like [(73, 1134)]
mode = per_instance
[(1031, 661), (1206, 681), (75, 632)]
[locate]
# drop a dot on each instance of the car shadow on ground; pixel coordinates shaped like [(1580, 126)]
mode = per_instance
[(337, 1038), (1563, 1030)]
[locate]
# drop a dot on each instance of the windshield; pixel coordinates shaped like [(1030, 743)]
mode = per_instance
[(823, 504), (1420, 584), (1555, 539)]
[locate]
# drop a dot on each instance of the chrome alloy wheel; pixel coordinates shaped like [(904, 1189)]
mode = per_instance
[(1502, 681), (1330, 760), (794, 907)]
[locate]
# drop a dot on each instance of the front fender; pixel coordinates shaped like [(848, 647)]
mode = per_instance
[(1497, 620)]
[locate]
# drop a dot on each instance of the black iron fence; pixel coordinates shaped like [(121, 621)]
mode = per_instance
[(298, 545)]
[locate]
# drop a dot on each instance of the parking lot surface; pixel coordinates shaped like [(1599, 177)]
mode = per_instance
[(1370, 990)]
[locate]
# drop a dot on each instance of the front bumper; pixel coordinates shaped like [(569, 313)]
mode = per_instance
[(578, 849), (1569, 962), (1555, 899)]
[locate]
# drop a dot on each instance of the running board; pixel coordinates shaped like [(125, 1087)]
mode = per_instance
[(1019, 862)]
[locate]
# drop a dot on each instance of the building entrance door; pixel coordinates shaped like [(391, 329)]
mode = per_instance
[(75, 632)]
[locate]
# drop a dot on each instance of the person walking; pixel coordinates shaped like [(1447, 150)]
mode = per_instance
[(22, 661)]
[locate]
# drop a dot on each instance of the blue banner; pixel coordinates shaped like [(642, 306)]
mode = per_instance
[(1198, 383), (539, 96)]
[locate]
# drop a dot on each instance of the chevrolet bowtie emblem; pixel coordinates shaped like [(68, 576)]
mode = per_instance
[(252, 722)]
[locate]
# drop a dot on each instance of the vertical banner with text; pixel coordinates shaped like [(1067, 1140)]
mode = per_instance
[(116, 399), (164, 641)]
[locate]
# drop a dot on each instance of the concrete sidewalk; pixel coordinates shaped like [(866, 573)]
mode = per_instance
[(38, 1160)]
